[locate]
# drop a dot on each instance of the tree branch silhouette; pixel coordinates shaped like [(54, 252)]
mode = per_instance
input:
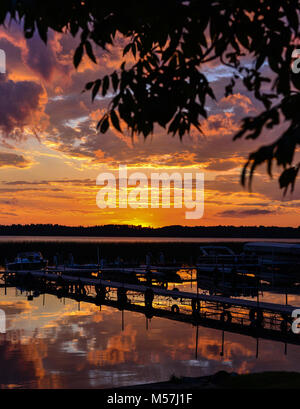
[(171, 41)]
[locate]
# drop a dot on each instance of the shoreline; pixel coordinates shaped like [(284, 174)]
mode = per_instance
[(227, 380)]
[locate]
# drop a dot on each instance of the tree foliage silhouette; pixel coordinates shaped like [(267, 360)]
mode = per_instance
[(171, 41)]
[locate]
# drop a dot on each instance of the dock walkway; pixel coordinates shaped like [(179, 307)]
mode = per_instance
[(237, 302)]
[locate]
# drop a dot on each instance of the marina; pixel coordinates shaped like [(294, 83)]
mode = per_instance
[(257, 318), (229, 296)]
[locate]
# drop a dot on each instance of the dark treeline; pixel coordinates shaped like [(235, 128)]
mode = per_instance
[(139, 231), (87, 252)]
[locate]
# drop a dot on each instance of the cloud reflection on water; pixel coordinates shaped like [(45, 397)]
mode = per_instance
[(59, 346)]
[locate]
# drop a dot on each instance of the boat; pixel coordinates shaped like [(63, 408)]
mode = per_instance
[(268, 253), (282, 259), (264, 259), (222, 257), (216, 254), (27, 261)]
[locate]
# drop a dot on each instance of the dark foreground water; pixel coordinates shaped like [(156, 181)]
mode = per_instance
[(56, 343)]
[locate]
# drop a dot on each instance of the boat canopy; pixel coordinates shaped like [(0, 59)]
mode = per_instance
[(30, 254), (216, 251), (272, 248)]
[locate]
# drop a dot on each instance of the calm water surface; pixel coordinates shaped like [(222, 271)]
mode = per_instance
[(57, 343), (78, 239)]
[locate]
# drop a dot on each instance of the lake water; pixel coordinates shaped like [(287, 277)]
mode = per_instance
[(59, 343), (78, 239)]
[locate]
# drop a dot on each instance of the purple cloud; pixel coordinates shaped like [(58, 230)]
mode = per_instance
[(18, 103)]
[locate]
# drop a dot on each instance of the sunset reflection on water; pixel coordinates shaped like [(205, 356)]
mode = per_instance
[(57, 343)]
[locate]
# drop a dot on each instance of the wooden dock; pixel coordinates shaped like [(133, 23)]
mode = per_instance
[(270, 307), (248, 317)]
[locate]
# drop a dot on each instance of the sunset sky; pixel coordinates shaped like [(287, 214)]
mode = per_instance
[(51, 153)]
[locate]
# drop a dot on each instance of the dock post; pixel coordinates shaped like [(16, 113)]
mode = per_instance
[(197, 337), (223, 275), (98, 260), (222, 350), (122, 320)]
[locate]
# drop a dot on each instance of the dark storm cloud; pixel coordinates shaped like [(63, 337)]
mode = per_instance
[(18, 102), (42, 58)]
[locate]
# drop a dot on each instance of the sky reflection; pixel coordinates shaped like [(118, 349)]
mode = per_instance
[(52, 343)]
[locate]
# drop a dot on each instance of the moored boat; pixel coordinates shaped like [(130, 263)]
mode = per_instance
[(274, 253), (223, 257), (27, 261)]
